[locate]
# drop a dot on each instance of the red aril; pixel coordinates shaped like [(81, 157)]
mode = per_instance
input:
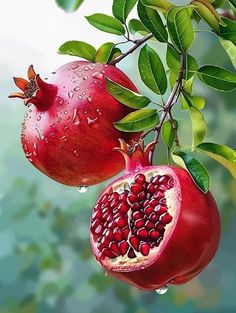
[(173, 232), (68, 131)]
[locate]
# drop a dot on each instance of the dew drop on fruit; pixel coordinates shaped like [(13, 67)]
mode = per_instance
[(82, 189), (71, 94), (162, 290), (97, 75)]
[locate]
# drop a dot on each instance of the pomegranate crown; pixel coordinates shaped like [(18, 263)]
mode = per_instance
[(136, 155), (35, 91)]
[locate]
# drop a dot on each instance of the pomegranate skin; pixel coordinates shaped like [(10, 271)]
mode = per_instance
[(191, 245), (187, 247), (68, 133)]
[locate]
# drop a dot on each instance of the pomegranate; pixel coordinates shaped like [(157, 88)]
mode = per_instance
[(68, 131), (153, 226)]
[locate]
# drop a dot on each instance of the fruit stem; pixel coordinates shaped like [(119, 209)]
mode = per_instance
[(169, 104), (137, 44)]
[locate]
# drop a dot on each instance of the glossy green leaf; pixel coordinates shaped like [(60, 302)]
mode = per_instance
[(196, 101), (180, 28), (197, 171), (104, 53), (78, 48), (230, 49), (122, 8), (228, 32), (161, 5), (135, 26), (173, 62), (106, 23), (138, 121), (167, 133), (223, 154), (152, 20), (233, 2), (217, 77), (69, 5), (152, 71), (126, 96)]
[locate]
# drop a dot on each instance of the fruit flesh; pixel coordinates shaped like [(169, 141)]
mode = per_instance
[(186, 249), (71, 138)]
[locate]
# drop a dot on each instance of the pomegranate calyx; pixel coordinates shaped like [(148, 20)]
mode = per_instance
[(35, 91), (136, 155)]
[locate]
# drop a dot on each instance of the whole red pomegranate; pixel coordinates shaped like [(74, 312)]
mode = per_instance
[(153, 226), (68, 131)]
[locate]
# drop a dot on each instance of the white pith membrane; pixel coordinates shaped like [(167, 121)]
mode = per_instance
[(123, 262)]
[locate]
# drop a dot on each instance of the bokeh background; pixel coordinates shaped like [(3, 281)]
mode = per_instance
[(46, 263)]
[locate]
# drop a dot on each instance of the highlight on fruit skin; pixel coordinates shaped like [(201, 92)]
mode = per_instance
[(68, 132), (153, 226)]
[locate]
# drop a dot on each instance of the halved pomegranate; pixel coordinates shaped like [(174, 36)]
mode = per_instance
[(153, 226)]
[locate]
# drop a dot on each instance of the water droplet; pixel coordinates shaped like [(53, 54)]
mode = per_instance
[(35, 145), (76, 153), (91, 121), (77, 88), (75, 118), (162, 290), (65, 112), (85, 77), (71, 94), (52, 135), (63, 138), (59, 120), (61, 101), (97, 75), (99, 112), (80, 70), (79, 97), (103, 72), (82, 189), (84, 93), (28, 154), (89, 99), (66, 127), (86, 68)]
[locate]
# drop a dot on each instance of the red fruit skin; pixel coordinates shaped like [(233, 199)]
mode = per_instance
[(72, 138), (190, 246)]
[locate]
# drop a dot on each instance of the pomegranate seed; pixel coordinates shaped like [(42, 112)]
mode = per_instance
[(159, 209), (154, 234), (115, 204), (105, 215), (146, 203), (158, 195), (105, 242), (142, 196), (126, 232), (136, 189), (134, 242), (163, 187), (159, 226), (150, 188), (97, 215), (108, 253), (140, 179), (162, 201), (123, 208), (132, 198), (98, 230), (131, 253), (148, 210), (105, 198), (170, 183), (109, 234), (137, 215), (166, 219), (164, 179), (123, 247), (94, 224), (154, 217), (121, 222), (118, 234), (139, 223), (155, 179), (113, 246), (110, 218), (153, 202), (145, 248), (143, 233), (123, 197), (110, 192), (115, 216), (135, 207), (149, 225)]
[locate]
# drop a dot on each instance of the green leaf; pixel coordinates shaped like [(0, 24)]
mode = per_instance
[(180, 28), (106, 23), (196, 101), (126, 96), (138, 121), (78, 48), (233, 2), (135, 26), (217, 77), (228, 32), (152, 71), (152, 20), (104, 53), (230, 49), (223, 154), (161, 5), (167, 133), (197, 171), (69, 5), (122, 8), (173, 62)]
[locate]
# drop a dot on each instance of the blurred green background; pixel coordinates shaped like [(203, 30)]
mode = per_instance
[(46, 263)]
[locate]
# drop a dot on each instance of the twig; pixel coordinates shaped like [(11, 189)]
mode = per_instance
[(137, 44), (173, 125)]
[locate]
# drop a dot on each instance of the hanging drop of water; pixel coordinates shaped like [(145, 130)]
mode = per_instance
[(97, 75), (162, 290), (82, 189)]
